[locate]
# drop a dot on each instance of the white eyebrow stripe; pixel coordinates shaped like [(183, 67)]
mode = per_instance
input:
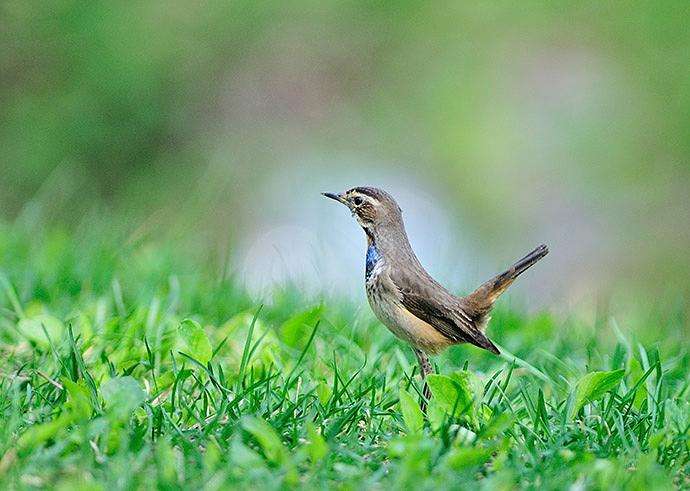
[(365, 196)]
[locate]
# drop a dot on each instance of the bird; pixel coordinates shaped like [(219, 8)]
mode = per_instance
[(406, 299)]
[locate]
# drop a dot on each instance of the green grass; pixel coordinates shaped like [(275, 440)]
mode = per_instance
[(130, 364)]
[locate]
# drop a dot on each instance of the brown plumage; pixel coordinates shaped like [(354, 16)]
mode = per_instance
[(406, 299)]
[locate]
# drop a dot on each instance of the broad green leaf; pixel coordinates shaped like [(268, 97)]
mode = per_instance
[(32, 329), (414, 447), (39, 434), (243, 456), (295, 331), (498, 424), (317, 447), (594, 385), (324, 392), (82, 326), (196, 342), (636, 373), (267, 437), (452, 392), (463, 457), (412, 414), (79, 399), (272, 446), (122, 395), (166, 463), (435, 414), (213, 455)]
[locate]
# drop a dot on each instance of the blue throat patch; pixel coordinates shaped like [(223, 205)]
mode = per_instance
[(372, 259)]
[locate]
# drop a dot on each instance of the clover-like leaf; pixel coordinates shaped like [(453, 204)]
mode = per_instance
[(122, 395), (32, 329), (196, 341), (412, 414), (295, 331), (79, 400), (452, 393), (267, 437), (594, 385), (317, 447)]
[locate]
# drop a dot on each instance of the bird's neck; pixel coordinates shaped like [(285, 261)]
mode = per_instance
[(371, 260), (390, 242)]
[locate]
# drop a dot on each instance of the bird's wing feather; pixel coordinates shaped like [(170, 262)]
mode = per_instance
[(430, 302)]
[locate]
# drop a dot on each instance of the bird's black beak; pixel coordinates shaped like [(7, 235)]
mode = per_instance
[(336, 197)]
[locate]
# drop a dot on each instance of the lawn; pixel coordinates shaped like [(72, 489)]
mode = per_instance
[(130, 363)]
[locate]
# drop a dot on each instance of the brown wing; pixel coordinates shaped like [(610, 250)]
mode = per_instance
[(430, 302)]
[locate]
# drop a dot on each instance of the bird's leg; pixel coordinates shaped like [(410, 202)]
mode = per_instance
[(425, 369)]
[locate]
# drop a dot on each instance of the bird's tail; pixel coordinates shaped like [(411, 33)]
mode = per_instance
[(526, 262), (479, 302)]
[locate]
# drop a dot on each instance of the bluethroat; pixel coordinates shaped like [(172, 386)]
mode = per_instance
[(405, 298)]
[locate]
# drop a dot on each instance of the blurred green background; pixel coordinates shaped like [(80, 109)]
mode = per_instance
[(212, 127)]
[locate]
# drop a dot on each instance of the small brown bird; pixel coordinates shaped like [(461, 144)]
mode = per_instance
[(405, 298)]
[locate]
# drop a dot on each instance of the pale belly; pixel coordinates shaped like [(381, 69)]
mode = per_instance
[(402, 323)]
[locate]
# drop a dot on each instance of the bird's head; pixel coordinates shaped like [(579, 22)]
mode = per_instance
[(373, 208)]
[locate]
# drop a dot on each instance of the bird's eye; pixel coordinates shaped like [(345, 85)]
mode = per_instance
[(357, 201)]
